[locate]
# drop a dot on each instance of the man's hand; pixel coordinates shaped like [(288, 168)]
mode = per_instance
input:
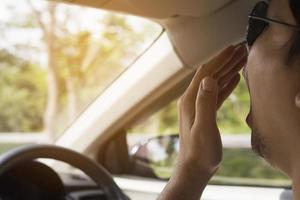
[(200, 142)]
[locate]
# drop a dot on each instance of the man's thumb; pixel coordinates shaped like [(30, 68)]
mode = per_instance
[(206, 102)]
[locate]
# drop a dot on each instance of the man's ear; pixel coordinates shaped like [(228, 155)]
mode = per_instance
[(297, 100)]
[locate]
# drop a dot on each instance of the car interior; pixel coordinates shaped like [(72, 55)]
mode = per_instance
[(103, 166)]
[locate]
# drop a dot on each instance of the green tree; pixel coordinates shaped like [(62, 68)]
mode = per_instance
[(87, 64), (22, 93)]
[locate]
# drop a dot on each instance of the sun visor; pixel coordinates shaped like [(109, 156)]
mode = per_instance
[(198, 39), (158, 9)]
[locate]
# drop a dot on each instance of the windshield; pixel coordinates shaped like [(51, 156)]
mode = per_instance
[(56, 59)]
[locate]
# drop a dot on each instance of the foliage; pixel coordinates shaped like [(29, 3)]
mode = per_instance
[(89, 62), (244, 163), (22, 91), (232, 115)]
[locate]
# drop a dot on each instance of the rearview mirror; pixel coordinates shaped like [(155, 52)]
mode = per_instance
[(159, 154)]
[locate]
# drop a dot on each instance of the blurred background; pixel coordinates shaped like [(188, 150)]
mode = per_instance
[(56, 59)]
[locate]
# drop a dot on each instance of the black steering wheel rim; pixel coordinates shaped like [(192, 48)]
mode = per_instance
[(92, 169)]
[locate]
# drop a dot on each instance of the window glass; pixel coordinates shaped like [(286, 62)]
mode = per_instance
[(55, 59), (155, 143)]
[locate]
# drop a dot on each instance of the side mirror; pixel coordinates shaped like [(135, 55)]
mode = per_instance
[(159, 154)]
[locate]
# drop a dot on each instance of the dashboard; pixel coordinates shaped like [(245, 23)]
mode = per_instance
[(35, 181)]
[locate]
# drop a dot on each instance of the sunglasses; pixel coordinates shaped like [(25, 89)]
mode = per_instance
[(258, 21)]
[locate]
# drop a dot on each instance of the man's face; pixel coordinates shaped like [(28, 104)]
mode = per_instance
[(273, 85)]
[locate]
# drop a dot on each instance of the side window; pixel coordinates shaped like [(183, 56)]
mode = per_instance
[(154, 144)]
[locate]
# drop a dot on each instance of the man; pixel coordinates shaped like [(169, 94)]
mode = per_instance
[(273, 77)]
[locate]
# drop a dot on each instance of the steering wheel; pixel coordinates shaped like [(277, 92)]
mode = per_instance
[(92, 169)]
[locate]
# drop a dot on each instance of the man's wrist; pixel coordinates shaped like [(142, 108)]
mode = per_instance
[(190, 173), (190, 178)]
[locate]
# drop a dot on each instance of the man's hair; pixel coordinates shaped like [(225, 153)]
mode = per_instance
[(295, 49)]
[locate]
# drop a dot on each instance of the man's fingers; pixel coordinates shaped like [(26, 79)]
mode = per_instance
[(228, 89), (203, 71), (206, 102), (222, 64), (208, 69), (223, 80), (240, 53)]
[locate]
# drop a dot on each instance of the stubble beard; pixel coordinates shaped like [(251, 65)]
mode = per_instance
[(258, 144)]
